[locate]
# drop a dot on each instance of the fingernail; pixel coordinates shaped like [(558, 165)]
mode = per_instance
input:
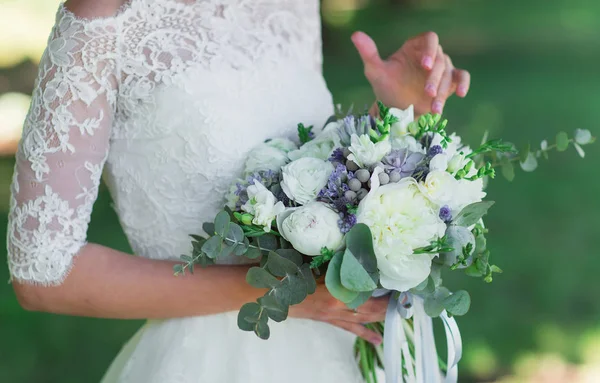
[(437, 107), (427, 62), (462, 90), (430, 89), (376, 340)]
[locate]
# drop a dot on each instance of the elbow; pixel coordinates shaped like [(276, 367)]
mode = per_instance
[(31, 297)]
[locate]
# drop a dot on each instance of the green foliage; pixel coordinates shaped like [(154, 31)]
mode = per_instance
[(471, 214), (430, 123), (304, 133), (354, 276), (322, 259), (437, 246), (457, 303), (333, 281), (261, 278), (562, 141)]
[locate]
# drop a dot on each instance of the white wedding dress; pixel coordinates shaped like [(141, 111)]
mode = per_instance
[(166, 98)]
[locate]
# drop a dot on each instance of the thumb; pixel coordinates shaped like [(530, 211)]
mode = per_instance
[(366, 49)]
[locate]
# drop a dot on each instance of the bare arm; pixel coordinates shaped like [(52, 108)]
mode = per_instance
[(110, 284)]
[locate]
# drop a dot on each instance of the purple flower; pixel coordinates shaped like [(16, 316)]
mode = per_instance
[(445, 214), (346, 222), (434, 151), (403, 161), (337, 156)]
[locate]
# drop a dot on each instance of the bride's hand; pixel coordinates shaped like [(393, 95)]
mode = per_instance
[(419, 73), (321, 306)]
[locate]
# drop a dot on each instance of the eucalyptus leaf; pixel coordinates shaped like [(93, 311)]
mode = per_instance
[(457, 237), (198, 238), (353, 275), (226, 250), (261, 278), (360, 300), (267, 242), (209, 228), (253, 253), (473, 271), (178, 269), (235, 234), (530, 163), (222, 221), (309, 278), (212, 247), (458, 303), (333, 281), (291, 255), (280, 266), (471, 214), (262, 330), (291, 291), (274, 310), (434, 303), (508, 170), (249, 310), (562, 141), (359, 241)]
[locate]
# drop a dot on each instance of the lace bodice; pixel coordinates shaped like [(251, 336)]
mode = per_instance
[(166, 97)]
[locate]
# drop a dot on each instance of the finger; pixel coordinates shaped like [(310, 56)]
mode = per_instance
[(360, 330), (356, 317), (429, 42), (462, 78), (433, 81), (444, 90), (374, 305), (367, 50)]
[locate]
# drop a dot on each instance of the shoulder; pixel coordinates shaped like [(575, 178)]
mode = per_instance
[(93, 9)]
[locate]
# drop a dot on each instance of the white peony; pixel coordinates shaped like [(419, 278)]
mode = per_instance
[(310, 228), (304, 178), (401, 218), (263, 205), (322, 146), (265, 157), (365, 152), (283, 144)]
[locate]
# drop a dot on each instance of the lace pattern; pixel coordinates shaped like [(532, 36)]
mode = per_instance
[(149, 92)]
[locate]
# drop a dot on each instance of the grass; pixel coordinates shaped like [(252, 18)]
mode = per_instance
[(534, 73)]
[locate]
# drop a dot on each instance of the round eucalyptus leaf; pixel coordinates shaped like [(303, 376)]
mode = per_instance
[(261, 278), (249, 310), (262, 330), (333, 281), (212, 247), (458, 237), (280, 266), (222, 221), (530, 163), (353, 275), (458, 303), (562, 141)]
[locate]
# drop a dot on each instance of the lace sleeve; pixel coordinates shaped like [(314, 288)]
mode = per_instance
[(63, 149)]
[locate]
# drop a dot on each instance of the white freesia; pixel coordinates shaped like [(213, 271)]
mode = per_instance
[(322, 146), (365, 152), (401, 218), (265, 157), (311, 227), (263, 205), (444, 190), (283, 144), (405, 117), (304, 178)]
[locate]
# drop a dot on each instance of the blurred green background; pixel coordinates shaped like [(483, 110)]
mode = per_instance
[(534, 66)]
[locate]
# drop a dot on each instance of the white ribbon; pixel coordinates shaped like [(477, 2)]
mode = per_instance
[(424, 368)]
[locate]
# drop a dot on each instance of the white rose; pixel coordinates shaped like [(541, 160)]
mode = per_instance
[(283, 144), (310, 228), (322, 146), (265, 157), (263, 205), (365, 152), (405, 117), (401, 219), (439, 162), (304, 178)]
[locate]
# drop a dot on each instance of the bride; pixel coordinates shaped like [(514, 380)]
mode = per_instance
[(166, 97)]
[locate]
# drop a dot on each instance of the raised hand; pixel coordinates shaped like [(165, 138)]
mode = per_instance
[(419, 73)]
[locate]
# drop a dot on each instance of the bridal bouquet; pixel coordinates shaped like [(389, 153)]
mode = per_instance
[(379, 206)]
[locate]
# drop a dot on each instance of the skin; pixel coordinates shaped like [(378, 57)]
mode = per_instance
[(106, 283)]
